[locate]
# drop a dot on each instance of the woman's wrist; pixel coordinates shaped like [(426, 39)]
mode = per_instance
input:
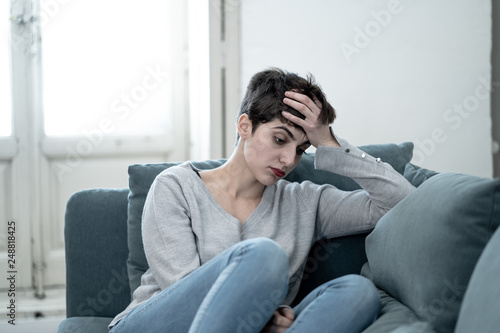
[(332, 140)]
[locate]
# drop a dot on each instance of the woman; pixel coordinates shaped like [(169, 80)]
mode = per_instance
[(227, 247)]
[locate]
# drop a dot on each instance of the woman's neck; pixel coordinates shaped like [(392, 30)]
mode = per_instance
[(235, 179)]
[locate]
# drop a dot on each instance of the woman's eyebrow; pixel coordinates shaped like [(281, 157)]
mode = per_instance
[(290, 134), (286, 130)]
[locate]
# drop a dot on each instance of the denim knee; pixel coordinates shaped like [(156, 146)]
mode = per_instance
[(366, 290), (270, 257), (267, 249)]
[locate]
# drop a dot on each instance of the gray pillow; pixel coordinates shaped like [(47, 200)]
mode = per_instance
[(142, 176), (417, 175), (479, 311), (424, 250)]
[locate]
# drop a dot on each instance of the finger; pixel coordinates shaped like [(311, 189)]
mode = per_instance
[(287, 312), (302, 108), (303, 99), (294, 119), (275, 325), (282, 321)]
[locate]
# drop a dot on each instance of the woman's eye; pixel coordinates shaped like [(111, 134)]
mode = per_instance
[(279, 141)]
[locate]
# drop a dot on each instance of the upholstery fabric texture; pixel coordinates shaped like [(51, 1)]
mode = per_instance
[(423, 252), (85, 325), (482, 298), (396, 317), (417, 175), (330, 259), (142, 176), (95, 271)]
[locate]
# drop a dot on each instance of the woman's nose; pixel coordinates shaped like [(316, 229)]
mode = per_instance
[(288, 156)]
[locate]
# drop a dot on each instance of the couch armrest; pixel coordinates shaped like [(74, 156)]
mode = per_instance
[(96, 253)]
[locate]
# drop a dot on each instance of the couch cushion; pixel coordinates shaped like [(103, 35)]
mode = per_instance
[(142, 176), (330, 259), (84, 325), (479, 311), (424, 250), (395, 317), (417, 175)]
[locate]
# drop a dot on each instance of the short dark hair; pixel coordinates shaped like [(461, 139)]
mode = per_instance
[(263, 100)]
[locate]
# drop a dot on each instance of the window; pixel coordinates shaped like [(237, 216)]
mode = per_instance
[(5, 84), (105, 66)]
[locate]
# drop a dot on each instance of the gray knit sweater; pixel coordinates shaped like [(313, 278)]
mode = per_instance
[(183, 226)]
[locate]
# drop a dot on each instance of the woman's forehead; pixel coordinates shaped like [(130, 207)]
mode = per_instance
[(296, 132)]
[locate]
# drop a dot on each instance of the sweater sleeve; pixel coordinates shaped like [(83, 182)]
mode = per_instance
[(169, 242), (342, 213)]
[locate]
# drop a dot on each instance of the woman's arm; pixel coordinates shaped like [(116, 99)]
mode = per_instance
[(169, 242), (341, 212), (347, 212)]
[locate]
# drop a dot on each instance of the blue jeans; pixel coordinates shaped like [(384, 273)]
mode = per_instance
[(239, 290)]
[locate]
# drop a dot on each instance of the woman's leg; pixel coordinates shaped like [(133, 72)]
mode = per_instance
[(237, 291), (346, 304)]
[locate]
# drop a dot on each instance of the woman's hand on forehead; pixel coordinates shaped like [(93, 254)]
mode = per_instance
[(318, 133)]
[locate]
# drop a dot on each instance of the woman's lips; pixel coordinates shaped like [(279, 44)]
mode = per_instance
[(279, 173)]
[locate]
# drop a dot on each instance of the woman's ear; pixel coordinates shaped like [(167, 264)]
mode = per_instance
[(244, 126)]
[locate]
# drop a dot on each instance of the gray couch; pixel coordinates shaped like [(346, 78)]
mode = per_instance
[(435, 257)]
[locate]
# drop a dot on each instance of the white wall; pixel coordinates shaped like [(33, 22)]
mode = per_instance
[(394, 70)]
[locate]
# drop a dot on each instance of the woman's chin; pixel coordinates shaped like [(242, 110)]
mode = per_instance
[(268, 180)]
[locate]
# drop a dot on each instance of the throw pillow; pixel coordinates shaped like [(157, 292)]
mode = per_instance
[(424, 250), (479, 311), (417, 175)]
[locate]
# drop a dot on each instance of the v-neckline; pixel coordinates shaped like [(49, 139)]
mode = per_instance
[(255, 216)]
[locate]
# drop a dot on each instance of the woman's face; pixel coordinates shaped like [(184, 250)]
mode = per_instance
[(274, 150)]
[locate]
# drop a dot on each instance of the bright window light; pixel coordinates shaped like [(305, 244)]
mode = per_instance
[(5, 89), (105, 67)]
